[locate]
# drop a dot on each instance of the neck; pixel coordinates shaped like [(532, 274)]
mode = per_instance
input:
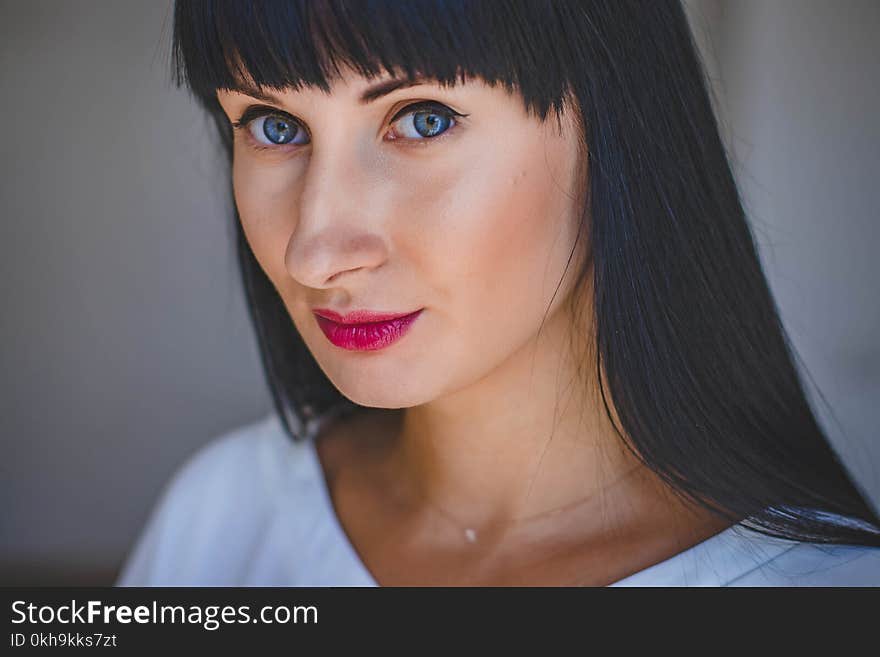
[(528, 438)]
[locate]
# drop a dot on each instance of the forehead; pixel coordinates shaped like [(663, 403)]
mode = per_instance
[(364, 88)]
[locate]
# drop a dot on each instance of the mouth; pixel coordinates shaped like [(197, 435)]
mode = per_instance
[(364, 330)]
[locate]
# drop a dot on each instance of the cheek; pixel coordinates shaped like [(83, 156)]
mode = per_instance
[(498, 239), (263, 196)]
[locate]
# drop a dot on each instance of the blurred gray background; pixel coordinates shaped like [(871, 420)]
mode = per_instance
[(124, 343)]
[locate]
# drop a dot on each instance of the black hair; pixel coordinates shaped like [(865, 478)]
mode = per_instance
[(689, 348)]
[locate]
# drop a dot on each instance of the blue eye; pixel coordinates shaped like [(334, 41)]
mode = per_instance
[(425, 120), (276, 130), (272, 128)]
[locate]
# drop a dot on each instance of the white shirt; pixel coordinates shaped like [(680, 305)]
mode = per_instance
[(252, 508)]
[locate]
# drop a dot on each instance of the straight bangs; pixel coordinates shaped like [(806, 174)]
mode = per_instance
[(231, 45)]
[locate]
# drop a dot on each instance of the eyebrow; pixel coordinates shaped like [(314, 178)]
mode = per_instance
[(385, 88), (367, 96)]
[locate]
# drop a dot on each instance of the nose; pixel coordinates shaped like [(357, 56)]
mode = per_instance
[(335, 238)]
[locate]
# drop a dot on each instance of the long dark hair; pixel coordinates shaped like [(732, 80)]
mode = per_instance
[(689, 348)]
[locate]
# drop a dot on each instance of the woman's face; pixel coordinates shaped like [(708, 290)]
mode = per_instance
[(352, 205)]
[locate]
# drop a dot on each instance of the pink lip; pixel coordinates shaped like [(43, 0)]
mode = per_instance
[(364, 330)]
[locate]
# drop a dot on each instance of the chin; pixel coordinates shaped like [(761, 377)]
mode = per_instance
[(381, 391), (389, 402)]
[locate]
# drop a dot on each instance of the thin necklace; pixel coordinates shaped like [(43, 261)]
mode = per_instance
[(470, 534)]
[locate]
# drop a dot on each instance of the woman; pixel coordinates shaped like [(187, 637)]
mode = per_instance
[(509, 308)]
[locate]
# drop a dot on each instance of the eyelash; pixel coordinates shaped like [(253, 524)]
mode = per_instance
[(255, 112)]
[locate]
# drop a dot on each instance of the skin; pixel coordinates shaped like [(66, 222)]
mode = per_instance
[(478, 420)]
